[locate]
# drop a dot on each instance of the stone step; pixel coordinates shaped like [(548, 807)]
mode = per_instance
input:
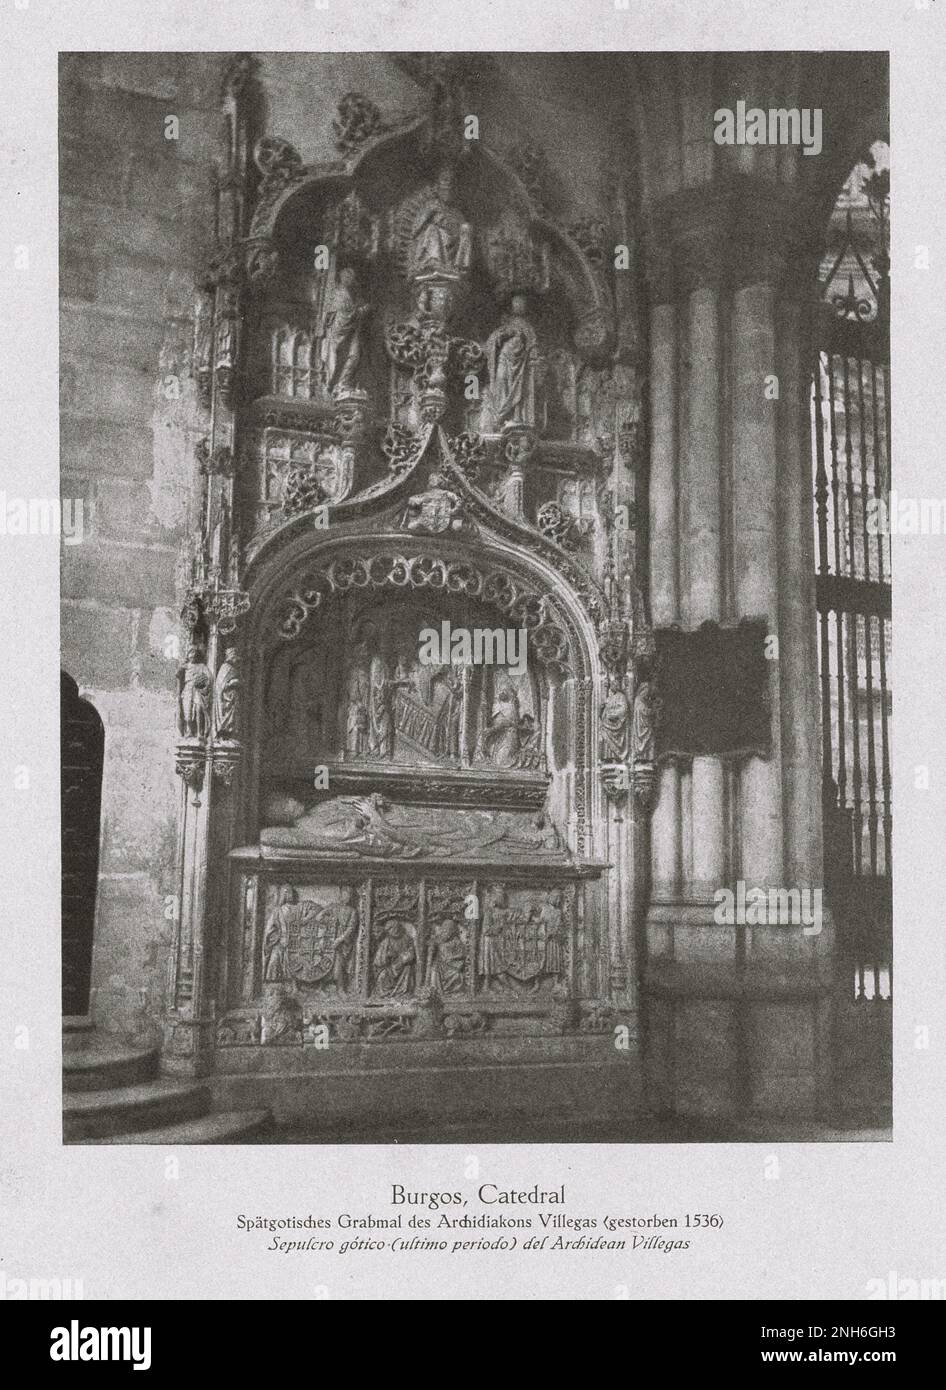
[(225, 1127), (147, 1105), (103, 1065), (76, 1031)]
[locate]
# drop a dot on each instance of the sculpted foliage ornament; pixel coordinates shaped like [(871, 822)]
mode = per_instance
[(401, 447), (358, 120), (468, 453), (557, 525)]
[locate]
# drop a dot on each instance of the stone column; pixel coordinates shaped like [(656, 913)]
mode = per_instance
[(664, 573), (755, 558), (735, 1012), (701, 499)]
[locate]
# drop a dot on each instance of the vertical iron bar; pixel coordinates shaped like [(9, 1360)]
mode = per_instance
[(868, 631), (881, 491), (841, 778), (821, 506), (853, 663)]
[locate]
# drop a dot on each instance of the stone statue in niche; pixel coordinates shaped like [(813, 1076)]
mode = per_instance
[(644, 733), (644, 745), (510, 738), (500, 740), (356, 719), (381, 690), (614, 723), (342, 342), (446, 961), (441, 240), (450, 714), (195, 691), (227, 696), (552, 921), (495, 917), (395, 961), (511, 351), (276, 937)]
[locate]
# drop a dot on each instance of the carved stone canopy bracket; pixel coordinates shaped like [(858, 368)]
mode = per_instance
[(225, 760), (615, 781), (190, 761), (645, 781)]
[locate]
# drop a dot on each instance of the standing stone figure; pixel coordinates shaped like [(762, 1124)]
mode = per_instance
[(344, 917), (342, 343), (511, 356), (227, 695), (381, 691), (356, 722), (195, 691), (614, 724), (644, 730), (552, 919), (276, 937), (492, 967)]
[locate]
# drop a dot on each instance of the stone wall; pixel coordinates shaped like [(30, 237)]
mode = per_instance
[(134, 216)]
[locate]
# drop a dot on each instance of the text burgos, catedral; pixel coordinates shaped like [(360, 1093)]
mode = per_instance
[(488, 1193)]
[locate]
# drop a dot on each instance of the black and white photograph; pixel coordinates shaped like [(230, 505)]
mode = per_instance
[(475, 677)]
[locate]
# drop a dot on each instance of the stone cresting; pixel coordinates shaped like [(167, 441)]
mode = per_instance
[(520, 603)]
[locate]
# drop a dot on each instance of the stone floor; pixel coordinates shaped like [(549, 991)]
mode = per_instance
[(642, 1129)]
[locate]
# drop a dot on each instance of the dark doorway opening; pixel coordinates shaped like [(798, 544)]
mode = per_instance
[(82, 747)]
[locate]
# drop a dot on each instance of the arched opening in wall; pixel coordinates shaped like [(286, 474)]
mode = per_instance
[(82, 747), (850, 415)]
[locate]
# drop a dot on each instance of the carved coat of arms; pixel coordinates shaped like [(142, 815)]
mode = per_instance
[(533, 941), (432, 512), (320, 942)]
